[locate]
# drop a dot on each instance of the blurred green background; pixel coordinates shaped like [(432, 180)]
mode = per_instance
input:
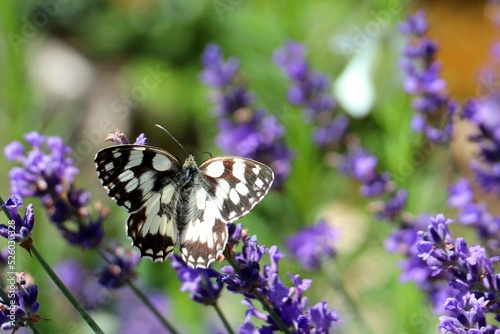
[(77, 69)]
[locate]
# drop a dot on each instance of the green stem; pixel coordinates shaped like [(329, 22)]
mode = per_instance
[(260, 298), (144, 299), (223, 318), (79, 308), (6, 301)]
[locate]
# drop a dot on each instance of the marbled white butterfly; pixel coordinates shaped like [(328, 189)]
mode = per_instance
[(173, 204)]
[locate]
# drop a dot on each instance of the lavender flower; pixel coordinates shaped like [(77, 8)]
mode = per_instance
[(236, 234), (471, 275), (392, 206), (121, 266), (49, 176), (321, 317), (22, 227), (361, 165), (404, 240), (311, 91), (202, 289), (218, 73), (243, 131), (248, 277), (42, 174), (120, 138), (435, 108), (474, 214), (467, 316), (313, 244), (484, 114), (433, 246), (23, 305), (292, 309)]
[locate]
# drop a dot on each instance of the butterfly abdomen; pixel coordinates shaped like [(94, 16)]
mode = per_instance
[(188, 182)]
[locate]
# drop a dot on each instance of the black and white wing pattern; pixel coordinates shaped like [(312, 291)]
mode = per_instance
[(172, 204), (227, 189), (142, 180)]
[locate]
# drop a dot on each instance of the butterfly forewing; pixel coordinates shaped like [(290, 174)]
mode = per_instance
[(141, 179), (169, 203), (236, 184)]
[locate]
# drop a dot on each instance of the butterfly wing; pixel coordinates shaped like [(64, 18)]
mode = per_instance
[(235, 184), (205, 233), (142, 180), (229, 187)]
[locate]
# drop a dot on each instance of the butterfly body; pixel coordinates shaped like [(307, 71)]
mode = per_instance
[(185, 205)]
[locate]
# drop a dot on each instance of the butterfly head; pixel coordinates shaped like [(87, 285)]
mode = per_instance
[(190, 163), (189, 169)]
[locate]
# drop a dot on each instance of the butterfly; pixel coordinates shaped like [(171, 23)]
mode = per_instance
[(173, 204)]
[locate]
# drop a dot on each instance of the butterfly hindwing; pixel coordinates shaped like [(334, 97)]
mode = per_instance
[(205, 234), (142, 180), (153, 228)]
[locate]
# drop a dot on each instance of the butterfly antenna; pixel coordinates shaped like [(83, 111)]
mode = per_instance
[(206, 152), (161, 127)]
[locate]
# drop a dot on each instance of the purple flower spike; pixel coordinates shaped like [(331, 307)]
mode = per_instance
[(484, 114), (200, 283), (47, 172), (19, 229), (361, 165), (470, 274), (248, 276), (23, 303), (435, 109), (14, 151), (42, 173), (415, 25), (235, 233), (474, 214), (313, 244), (467, 316), (310, 90), (460, 194), (217, 72), (321, 317), (141, 140), (121, 266), (243, 130)]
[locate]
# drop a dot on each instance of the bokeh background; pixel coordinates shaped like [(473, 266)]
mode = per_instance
[(77, 69)]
